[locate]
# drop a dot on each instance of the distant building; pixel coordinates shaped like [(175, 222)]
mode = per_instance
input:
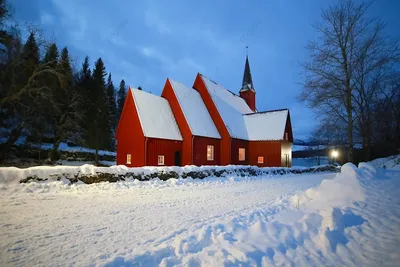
[(203, 125)]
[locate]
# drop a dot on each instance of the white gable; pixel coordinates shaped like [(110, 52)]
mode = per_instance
[(195, 111), (253, 126), (226, 96), (231, 108), (155, 116), (266, 125)]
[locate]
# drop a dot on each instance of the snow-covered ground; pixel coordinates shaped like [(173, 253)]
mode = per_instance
[(351, 218)]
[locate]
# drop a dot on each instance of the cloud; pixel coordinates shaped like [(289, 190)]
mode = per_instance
[(169, 64), (46, 18), (153, 20), (73, 20)]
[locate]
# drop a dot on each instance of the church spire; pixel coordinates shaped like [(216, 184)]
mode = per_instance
[(247, 83), (247, 91)]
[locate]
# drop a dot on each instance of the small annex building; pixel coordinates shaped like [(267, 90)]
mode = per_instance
[(202, 125)]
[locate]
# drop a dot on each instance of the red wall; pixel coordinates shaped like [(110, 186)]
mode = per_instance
[(164, 147), (288, 129), (236, 144), (169, 94), (200, 150), (270, 150), (225, 155), (130, 137), (250, 97)]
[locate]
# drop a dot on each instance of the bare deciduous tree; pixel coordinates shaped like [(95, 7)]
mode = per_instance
[(347, 62)]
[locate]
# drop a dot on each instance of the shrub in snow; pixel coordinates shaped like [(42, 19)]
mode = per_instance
[(89, 174)]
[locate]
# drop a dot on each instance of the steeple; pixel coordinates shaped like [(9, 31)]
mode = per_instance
[(247, 83), (247, 91)]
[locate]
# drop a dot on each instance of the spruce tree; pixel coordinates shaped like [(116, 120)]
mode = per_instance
[(112, 105), (51, 55), (44, 126), (66, 114), (30, 56), (121, 98), (99, 128), (85, 92)]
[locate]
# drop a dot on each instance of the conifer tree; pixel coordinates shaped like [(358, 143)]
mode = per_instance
[(20, 98), (99, 130), (30, 56), (121, 98), (44, 123), (65, 114), (84, 87), (112, 105), (28, 93)]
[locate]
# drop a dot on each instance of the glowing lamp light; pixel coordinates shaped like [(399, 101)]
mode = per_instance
[(335, 153)]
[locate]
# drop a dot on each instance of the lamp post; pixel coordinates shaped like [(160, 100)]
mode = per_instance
[(334, 154)]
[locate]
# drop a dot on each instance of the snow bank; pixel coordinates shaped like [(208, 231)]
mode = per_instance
[(392, 162), (91, 174), (343, 189), (320, 223)]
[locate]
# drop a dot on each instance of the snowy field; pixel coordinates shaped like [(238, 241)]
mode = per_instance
[(351, 218)]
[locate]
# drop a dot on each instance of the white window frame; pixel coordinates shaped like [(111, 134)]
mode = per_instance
[(210, 152), (260, 160), (160, 160), (244, 154), (128, 159)]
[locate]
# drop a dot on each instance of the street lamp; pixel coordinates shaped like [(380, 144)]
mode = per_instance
[(334, 154)]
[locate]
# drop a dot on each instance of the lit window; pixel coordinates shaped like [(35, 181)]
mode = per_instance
[(242, 154), (128, 158), (260, 160), (210, 152), (286, 136), (161, 160)]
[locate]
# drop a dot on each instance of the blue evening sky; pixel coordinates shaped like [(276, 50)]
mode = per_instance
[(144, 42)]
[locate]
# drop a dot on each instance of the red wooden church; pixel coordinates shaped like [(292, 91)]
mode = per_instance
[(203, 125)]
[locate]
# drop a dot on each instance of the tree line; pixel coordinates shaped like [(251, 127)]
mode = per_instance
[(352, 81), (44, 98)]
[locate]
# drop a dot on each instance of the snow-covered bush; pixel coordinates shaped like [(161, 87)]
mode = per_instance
[(120, 173)]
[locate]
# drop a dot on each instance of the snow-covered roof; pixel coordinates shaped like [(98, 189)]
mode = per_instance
[(231, 107), (155, 116), (195, 111), (266, 125), (241, 121)]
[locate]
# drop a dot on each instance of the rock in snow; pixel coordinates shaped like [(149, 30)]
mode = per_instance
[(346, 219)]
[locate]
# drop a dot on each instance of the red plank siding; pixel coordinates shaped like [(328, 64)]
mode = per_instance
[(270, 150), (200, 150), (167, 148), (130, 137), (235, 145), (225, 155), (169, 94), (250, 97), (288, 129)]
